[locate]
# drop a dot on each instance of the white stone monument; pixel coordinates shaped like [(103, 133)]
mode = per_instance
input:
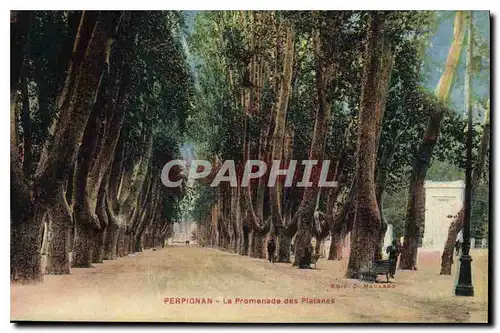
[(443, 200), (484, 243), (388, 237)]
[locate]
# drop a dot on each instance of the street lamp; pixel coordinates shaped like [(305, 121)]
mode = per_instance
[(464, 286)]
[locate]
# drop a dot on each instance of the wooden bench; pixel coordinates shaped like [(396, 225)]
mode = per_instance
[(379, 267), (314, 259)]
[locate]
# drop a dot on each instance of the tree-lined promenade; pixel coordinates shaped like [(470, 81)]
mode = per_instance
[(91, 96), (101, 102), (344, 87), (134, 288)]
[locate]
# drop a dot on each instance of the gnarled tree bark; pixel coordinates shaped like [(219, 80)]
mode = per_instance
[(74, 106), (364, 236), (416, 201)]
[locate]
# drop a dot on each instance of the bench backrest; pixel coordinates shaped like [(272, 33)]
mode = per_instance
[(382, 265)]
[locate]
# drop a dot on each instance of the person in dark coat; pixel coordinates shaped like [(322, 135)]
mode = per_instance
[(271, 250), (394, 251)]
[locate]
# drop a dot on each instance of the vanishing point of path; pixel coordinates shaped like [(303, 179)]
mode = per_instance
[(134, 288)]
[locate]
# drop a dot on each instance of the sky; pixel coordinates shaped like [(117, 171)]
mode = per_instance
[(438, 50)]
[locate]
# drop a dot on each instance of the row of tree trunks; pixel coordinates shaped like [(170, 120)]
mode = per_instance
[(86, 222), (376, 74), (112, 202), (84, 199), (416, 199), (31, 200), (25, 259), (279, 130), (324, 72), (342, 224), (99, 143)]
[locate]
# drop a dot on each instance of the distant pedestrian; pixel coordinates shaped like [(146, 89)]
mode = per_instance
[(394, 251), (271, 250)]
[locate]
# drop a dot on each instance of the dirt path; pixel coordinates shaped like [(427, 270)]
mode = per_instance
[(134, 289)]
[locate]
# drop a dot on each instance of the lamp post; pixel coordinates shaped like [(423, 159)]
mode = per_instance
[(464, 286)]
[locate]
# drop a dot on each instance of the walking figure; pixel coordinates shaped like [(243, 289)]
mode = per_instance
[(271, 250), (394, 251)]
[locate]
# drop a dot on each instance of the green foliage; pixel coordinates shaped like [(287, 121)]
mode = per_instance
[(49, 44), (394, 210), (221, 43), (203, 200), (162, 86), (480, 214)]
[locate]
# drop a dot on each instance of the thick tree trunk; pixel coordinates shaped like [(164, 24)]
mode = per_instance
[(58, 154), (111, 240), (259, 228), (112, 204), (449, 246), (128, 244), (148, 204), (145, 219), (83, 246), (279, 129), (26, 219), (285, 243), (118, 240), (319, 247), (121, 242), (387, 156), (257, 248), (284, 248), (25, 256), (99, 240), (131, 245), (342, 224), (138, 243), (364, 237), (335, 251), (98, 246), (414, 221), (86, 220), (61, 222), (304, 214), (303, 237), (236, 219), (416, 203)]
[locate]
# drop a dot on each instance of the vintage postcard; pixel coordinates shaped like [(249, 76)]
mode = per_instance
[(250, 166)]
